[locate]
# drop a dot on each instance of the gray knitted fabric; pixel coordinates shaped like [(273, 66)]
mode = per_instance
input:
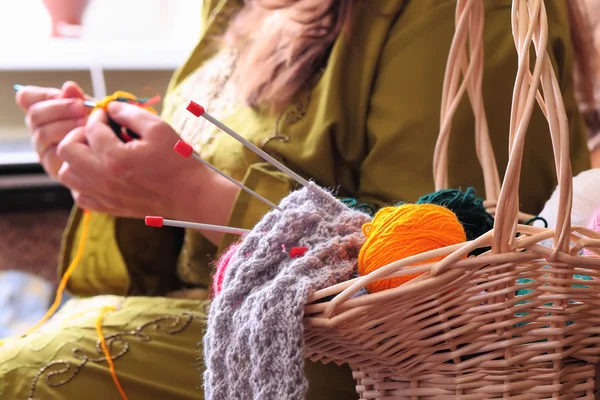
[(254, 344)]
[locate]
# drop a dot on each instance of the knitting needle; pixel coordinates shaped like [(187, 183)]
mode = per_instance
[(199, 111), (185, 150), (159, 222), (87, 103)]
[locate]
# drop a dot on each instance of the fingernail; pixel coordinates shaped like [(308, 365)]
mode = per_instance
[(114, 106), (79, 108)]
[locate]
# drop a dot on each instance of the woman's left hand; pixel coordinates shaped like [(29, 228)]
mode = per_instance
[(142, 177)]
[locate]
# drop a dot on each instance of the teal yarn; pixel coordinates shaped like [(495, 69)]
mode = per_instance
[(353, 203), (467, 206), (538, 218)]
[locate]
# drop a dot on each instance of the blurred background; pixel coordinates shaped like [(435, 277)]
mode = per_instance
[(132, 45)]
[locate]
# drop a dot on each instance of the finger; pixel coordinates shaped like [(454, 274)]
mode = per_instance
[(30, 95), (50, 161), (75, 151), (133, 117), (71, 90), (46, 112), (71, 178), (52, 133), (100, 136), (99, 116), (88, 180)]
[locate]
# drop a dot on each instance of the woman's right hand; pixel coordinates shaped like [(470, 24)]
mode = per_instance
[(51, 114)]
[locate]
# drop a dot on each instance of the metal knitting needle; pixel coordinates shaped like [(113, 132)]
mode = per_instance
[(87, 103), (199, 111), (159, 222), (185, 150)]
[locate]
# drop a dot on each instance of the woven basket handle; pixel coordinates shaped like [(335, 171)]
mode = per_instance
[(469, 26), (530, 25)]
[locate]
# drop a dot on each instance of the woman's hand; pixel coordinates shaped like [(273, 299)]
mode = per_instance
[(51, 115), (141, 177)]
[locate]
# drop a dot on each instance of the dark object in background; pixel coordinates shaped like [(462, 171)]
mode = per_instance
[(26, 187), (30, 241), (34, 211)]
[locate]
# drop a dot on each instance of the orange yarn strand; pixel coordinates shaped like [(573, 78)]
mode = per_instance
[(59, 294), (63, 282), (109, 360), (399, 232), (131, 99)]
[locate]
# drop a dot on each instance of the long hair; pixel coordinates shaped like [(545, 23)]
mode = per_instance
[(281, 43), (586, 61)]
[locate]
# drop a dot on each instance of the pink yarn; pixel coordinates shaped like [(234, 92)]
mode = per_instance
[(222, 267), (595, 226)]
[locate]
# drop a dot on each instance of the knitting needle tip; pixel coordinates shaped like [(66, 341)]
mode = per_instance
[(195, 108), (88, 103), (184, 149), (156, 222)]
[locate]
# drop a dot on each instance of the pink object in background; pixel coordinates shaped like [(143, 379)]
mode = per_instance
[(595, 226), (222, 265), (65, 13)]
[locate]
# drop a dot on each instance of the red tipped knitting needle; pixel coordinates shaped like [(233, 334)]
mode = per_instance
[(186, 151), (159, 222), (199, 111)]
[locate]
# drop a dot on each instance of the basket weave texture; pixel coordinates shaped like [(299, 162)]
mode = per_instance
[(521, 321)]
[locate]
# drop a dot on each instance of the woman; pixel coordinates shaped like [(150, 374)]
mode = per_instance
[(343, 91)]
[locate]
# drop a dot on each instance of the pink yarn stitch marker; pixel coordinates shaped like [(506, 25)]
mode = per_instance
[(296, 252), (594, 225), (221, 267)]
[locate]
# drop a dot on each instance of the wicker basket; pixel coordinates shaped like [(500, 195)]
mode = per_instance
[(512, 323)]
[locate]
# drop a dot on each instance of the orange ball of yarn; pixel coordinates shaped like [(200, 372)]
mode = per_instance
[(407, 230)]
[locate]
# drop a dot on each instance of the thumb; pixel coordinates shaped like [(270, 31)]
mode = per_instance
[(71, 90), (132, 116), (97, 116)]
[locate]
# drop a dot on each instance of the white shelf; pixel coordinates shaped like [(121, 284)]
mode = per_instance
[(20, 158), (75, 54), (17, 151)]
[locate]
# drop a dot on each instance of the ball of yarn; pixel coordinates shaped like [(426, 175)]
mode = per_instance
[(399, 232), (586, 200), (467, 206), (221, 267), (594, 225)]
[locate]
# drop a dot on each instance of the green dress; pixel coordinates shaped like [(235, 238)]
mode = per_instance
[(366, 124)]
